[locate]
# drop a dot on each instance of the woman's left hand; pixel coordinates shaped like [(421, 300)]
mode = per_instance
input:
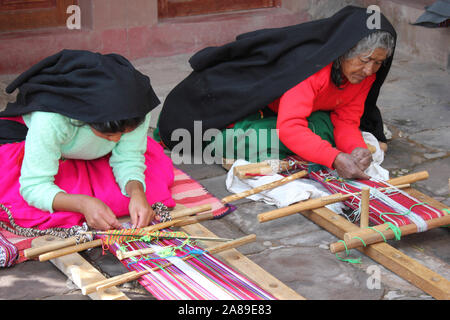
[(141, 212)]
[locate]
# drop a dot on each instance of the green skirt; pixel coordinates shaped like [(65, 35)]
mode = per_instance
[(255, 137)]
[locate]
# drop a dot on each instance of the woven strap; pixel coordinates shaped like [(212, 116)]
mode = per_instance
[(8, 253), (56, 232)]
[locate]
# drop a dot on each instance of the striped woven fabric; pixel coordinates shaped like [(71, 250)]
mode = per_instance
[(188, 192), (8, 253), (394, 206), (200, 278)]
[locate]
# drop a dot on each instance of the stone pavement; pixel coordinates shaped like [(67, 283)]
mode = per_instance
[(415, 102)]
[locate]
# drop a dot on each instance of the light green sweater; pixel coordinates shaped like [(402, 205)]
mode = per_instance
[(52, 136)]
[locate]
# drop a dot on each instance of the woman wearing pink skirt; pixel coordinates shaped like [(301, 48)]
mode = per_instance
[(74, 145)]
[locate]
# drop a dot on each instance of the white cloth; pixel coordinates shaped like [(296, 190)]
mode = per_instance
[(300, 189), (282, 196), (375, 170)]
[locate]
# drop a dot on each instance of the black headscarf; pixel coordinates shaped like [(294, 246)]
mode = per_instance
[(81, 85), (234, 80)]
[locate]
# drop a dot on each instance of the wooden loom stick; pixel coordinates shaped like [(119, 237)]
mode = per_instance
[(370, 236), (133, 275), (175, 214), (264, 187), (248, 170), (364, 215), (128, 254), (58, 244), (72, 241), (312, 204), (68, 250), (337, 197), (98, 242)]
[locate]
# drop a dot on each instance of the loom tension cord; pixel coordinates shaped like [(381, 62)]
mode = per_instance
[(75, 231)]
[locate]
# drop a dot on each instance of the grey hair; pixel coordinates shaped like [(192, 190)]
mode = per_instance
[(378, 39)]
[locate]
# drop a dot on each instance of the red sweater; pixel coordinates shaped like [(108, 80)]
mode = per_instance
[(319, 93)]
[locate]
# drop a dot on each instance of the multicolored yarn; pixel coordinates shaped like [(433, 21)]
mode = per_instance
[(127, 235), (8, 253), (202, 277)]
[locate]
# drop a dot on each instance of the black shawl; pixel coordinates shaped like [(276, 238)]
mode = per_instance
[(81, 85), (234, 80)]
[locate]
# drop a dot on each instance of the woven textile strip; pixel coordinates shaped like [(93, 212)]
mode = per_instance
[(405, 208), (201, 278), (8, 252), (189, 193)]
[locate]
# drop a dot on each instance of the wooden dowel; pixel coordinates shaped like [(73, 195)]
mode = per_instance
[(194, 219), (370, 236), (140, 252), (364, 215), (58, 244), (409, 178), (311, 204), (68, 250), (302, 206), (264, 187), (129, 276), (190, 211), (246, 171)]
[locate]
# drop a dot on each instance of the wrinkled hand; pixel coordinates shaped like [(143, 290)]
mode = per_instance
[(348, 168), (98, 215), (362, 157), (141, 212)]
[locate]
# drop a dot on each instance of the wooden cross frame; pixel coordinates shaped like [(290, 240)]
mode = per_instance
[(396, 261)]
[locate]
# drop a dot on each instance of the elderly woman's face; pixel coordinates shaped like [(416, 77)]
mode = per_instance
[(358, 68)]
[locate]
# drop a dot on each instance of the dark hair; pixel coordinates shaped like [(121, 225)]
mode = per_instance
[(336, 73), (116, 125)]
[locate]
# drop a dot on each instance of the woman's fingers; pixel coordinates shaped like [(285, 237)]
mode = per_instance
[(348, 168)]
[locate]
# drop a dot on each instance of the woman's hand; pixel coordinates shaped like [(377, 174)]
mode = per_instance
[(348, 168), (362, 157), (141, 212), (98, 215)]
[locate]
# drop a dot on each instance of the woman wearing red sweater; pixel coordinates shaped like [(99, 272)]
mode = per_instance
[(319, 118), (342, 89), (317, 83)]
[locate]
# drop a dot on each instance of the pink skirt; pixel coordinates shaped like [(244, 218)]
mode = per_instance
[(90, 177)]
